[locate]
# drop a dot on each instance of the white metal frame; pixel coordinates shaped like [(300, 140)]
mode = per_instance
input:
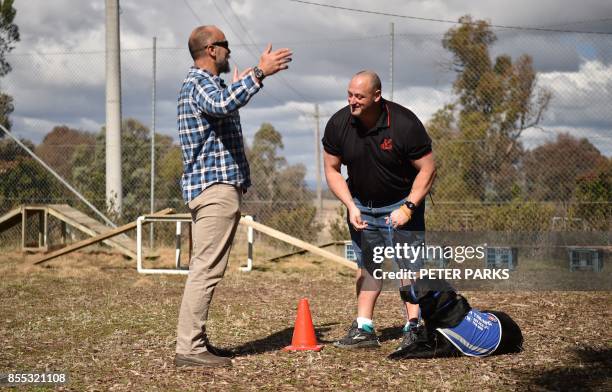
[(249, 265), (179, 218)]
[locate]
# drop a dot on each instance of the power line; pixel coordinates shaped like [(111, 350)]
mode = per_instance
[(68, 52), (578, 22), (250, 38), (248, 47), (443, 20), (239, 45), (192, 11), (241, 25), (231, 26), (242, 44), (256, 58)]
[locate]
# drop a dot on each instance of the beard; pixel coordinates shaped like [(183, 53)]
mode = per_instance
[(223, 65)]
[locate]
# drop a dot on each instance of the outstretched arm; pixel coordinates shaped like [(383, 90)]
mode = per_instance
[(221, 102)]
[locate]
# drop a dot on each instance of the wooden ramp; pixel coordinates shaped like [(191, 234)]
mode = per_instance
[(279, 235), (97, 238), (10, 219), (92, 227), (67, 215)]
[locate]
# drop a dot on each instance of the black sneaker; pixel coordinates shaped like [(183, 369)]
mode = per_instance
[(412, 338), (358, 338)]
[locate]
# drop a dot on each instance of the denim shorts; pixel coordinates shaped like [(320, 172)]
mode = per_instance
[(380, 234)]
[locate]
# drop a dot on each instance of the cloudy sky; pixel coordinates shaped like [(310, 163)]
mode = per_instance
[(58, 67)]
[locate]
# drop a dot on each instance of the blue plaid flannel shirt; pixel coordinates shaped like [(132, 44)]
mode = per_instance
[(210, 133)]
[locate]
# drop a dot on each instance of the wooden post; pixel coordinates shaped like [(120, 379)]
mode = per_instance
[(23, 228), (64, 232)]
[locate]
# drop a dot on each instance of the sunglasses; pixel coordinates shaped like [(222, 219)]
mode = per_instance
[(223, 44)]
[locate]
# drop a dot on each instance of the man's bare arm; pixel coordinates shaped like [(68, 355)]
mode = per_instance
[(420, 187), (424, 180), (338, 186)]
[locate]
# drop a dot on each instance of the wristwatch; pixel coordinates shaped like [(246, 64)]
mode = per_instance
[(411, 206), (258, 73)]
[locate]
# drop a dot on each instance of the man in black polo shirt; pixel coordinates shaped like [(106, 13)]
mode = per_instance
[(390, 167)]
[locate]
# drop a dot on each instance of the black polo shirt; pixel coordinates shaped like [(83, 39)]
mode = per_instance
[(378, 159)]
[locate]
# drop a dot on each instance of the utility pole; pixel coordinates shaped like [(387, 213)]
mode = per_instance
[(114, 195), (153, 99), (392, 25), (318, 158)]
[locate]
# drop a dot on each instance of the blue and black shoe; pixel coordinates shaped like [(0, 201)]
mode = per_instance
[(413, 337), (358, 338)]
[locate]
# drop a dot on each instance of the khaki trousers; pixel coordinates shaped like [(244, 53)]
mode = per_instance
[(215, 214)]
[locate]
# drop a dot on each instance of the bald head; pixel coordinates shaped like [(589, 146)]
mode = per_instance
[(364, 97), (370, 78), (200, 37)]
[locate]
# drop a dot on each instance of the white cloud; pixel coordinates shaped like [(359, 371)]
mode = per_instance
[(533, 137), (580, 98), (33, 128), (329, 45), (424, 102)]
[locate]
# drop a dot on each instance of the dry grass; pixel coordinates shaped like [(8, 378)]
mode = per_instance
[(112, 329)]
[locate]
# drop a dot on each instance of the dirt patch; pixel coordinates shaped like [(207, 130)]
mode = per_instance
[(113, 329)]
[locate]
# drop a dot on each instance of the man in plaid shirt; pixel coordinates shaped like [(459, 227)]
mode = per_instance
[(215, 175)]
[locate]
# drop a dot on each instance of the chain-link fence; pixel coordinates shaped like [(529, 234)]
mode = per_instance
[(520, 145)]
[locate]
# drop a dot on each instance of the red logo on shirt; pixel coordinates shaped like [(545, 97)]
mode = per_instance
[(387, 144)]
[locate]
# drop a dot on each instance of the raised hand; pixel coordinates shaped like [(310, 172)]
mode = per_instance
[(271, 62), (244, 73)]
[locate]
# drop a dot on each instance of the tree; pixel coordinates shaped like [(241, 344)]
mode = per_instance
[(497, 99), (10, 151), (9, 35), (279, 196), (338, 228), (59, 145), (265, 162), (6, 108), (593, 196), (89, 168), (168, 174), (23, 179), (26, 181), (552, 169)]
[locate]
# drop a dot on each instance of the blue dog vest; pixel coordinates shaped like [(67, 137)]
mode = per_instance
[(478, 335)]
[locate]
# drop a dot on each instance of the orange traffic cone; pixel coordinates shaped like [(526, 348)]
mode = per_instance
[(304, 338)]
